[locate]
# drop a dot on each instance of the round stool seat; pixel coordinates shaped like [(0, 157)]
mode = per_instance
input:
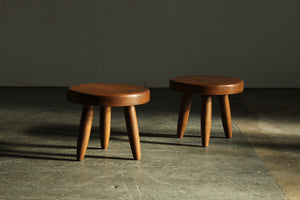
[(109, 94), (207, 85)]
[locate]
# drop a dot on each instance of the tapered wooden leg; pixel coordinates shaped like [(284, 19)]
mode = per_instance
[(105, 119), (84, 130), (226, 115), (133, 131), (206, 110), (183, 116)]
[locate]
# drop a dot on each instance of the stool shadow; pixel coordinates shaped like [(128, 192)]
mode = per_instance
[(16, 150), (29, 153), (171, 144), (160, 135), (56, 130), (199, 136), (108, 157), (51, 132), (143, 134), (150, 135)]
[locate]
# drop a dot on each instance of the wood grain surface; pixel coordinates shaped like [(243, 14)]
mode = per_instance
[(207, 85), (108, 94)]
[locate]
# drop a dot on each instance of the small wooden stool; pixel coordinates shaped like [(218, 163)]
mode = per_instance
[(107, 95), (207, 86)]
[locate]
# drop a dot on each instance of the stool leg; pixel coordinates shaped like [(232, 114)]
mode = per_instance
[(84, 130), (133, 131), (226, 115), (105, 119), (183, 116), (206, 110)]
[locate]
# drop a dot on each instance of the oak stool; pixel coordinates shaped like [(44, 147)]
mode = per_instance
[(207, 86), (107, 95)]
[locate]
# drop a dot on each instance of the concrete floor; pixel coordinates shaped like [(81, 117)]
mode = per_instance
[(38, 133)]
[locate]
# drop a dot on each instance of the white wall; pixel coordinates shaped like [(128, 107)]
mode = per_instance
[(67, 42)]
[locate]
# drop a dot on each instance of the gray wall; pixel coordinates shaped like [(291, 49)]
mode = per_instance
[(66, 42)]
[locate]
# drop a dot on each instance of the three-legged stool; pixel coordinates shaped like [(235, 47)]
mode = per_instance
[(207, 86), (107, 95)]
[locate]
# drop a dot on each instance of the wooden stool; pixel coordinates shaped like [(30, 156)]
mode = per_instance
[(207, 86), (107, 95)]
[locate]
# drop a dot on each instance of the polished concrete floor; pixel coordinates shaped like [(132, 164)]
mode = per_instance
[(38, 133)]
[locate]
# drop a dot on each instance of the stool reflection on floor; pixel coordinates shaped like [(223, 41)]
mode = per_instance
[(107, 95), (207, 86)]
